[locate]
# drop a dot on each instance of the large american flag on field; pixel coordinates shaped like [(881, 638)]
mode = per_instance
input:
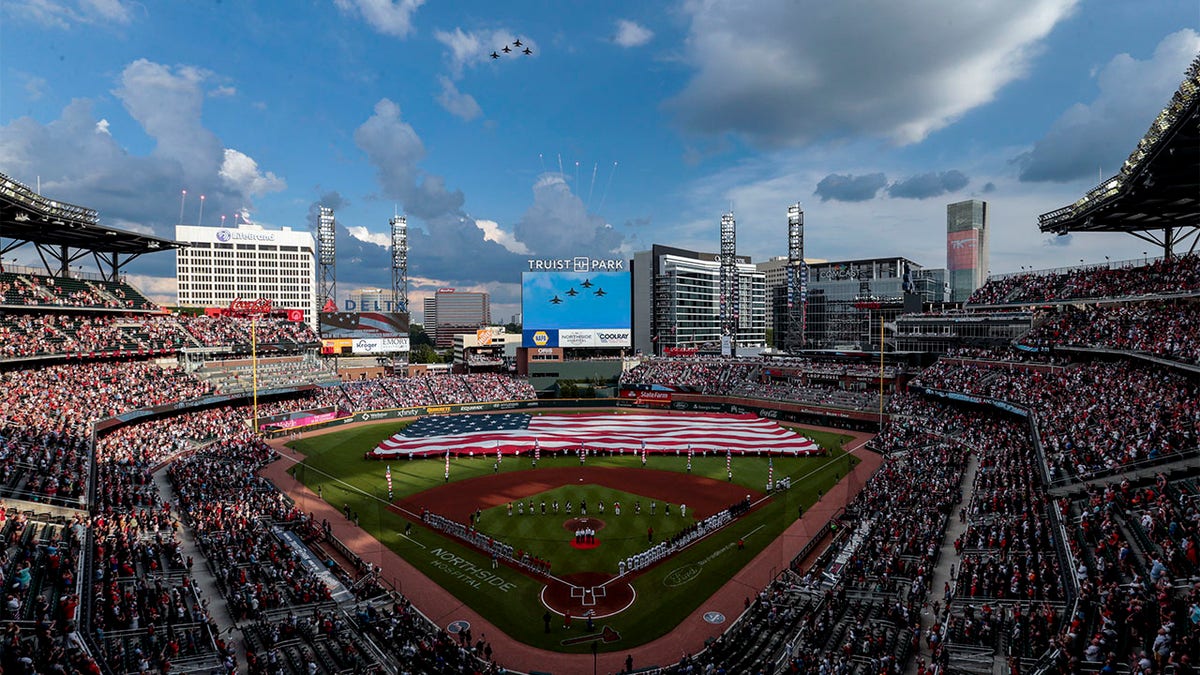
[(517, 433)]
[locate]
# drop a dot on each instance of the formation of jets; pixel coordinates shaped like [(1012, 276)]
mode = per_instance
[(508, 50), (571, 292)]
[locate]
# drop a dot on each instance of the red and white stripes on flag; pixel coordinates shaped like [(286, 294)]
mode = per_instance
[(739, 434)]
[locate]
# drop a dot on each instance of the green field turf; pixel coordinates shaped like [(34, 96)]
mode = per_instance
[(621, 536), (336, 466)]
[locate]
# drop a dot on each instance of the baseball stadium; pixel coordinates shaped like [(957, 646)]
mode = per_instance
[(1006, 483)]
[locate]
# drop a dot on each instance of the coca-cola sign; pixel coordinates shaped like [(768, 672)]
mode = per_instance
[(240, 307)]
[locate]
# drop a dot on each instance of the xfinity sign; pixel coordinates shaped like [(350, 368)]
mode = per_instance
[(576, 264)]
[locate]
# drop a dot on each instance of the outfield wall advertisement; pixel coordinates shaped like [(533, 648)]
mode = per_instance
[(567, 308)]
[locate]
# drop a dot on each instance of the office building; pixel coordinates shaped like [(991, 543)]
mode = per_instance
[(221, 264), (452, 312), (966, 247), (847, 297), (676, 301)]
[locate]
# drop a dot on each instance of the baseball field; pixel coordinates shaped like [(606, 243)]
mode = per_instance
[(579, 578)]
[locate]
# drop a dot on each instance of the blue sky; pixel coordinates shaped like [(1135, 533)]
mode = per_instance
[(874, 115)]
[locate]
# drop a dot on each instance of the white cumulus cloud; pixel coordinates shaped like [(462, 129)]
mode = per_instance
[(390, 17), (64, 14), (461, 105), (363, 234), (1100, 134), (492, 232), (241, 172), (788, 72), (631, 33)]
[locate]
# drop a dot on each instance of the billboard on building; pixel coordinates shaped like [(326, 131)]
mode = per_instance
[(962, 250), (364, 325), (562, 308)]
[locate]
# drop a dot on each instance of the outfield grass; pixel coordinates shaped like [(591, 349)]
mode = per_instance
[(667, 593)]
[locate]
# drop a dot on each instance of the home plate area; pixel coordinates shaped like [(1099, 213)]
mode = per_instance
[(587, 594)]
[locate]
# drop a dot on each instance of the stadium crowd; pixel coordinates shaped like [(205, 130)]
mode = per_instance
[(820, 383), (1094, 417), (40, 290), (385, 393), (25, 335), (1171, 331), (220, 331), (1163, 276)]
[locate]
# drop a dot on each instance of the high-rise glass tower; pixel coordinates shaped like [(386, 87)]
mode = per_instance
[(966, 247)]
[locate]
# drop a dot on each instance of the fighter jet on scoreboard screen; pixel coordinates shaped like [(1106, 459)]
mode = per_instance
[(587, 283), (572, 292), (556, 300), (600, 292)]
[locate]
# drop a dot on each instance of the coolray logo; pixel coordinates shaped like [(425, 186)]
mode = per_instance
[(223, 235), (368, 416), (540, 338), (618, 337)]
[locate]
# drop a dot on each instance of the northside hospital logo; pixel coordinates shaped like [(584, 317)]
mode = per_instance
[(223, 235), (540, 338)]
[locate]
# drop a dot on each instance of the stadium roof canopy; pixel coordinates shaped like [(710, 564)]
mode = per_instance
[(1156, 196), (64, 233)]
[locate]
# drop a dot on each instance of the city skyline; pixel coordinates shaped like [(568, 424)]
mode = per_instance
[(661, 118)]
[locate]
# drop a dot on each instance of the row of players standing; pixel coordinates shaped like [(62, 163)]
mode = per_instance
[(527, 506)]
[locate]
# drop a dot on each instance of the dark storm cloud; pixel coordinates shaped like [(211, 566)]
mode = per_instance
[(849, 188), (926, 185)]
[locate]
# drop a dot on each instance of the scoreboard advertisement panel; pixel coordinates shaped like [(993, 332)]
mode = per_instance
[(364, 325), (561, 308), (364, 332)]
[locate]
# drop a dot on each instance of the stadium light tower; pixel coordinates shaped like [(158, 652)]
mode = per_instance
[(399, 263), (729, 284), (327, 255), (797, 280)]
